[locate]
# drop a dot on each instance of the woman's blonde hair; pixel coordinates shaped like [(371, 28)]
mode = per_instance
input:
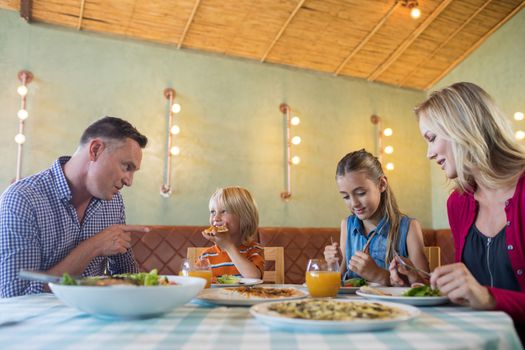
[(239, 201), (482, 140), (364, 161)]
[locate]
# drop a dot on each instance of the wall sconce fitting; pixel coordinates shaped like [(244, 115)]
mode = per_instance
[(173, 129), (295, 140), (25, 77)]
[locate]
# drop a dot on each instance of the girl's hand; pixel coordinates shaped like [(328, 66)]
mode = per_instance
[(332, 253), (400, 276), (363, 264), (456, 282)]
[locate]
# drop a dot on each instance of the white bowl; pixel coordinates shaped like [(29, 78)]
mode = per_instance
[(130, 301)]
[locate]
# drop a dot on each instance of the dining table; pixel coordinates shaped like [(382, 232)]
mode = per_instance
[(41, 321)]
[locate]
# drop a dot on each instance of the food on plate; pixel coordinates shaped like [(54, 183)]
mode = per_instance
[(151, 278), (354, 282), (265, 292), (422, 291), (221, 228), (334, 310), (228, 279), (374, 291)]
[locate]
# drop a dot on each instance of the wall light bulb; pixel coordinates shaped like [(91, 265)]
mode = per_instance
[(389, 166), (388, 132), (296, 140), (175, 150), (415, 12), (175, 130), (389, 149), (175, 108), (520, 135), (22, 90), (518, 116), (22, 114), (20, 138), (296, 160), (295, 120)]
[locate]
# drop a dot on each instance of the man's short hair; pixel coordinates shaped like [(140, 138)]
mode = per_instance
[(113, 128)]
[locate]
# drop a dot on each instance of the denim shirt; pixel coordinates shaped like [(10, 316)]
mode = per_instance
[(357, 238)]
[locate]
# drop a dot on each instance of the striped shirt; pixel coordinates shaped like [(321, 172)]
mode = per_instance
[(39, 227), (221, 263)]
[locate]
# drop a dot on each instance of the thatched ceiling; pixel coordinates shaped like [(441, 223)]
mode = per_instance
[(375, 40)]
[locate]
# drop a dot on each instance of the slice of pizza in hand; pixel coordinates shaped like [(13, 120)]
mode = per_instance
[(210, 230)]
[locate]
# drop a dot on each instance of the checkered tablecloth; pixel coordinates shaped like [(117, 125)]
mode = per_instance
[(43, 322)]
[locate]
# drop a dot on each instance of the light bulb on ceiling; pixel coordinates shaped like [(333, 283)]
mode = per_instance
[(20, 138), (175, 150), (296, 140), (388, 132), (389, 166), (295, 120), (176, 108), (175, 130), (22, 114), (296, 160), (389, 149), (520, 135), (22, 90), (415, 12), (518, 116)]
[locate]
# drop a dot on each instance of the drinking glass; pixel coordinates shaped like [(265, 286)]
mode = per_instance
[(199, 268), (323, 278)]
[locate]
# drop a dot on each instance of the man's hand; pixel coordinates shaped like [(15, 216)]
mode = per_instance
[(115, 239)]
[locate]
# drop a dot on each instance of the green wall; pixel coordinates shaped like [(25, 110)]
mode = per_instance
[(497, 66), (232, 130)]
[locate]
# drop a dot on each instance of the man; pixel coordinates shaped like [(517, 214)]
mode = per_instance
[(70, 217)]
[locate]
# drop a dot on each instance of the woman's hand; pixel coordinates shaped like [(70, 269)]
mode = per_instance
[(456, 282), (400, 276), (332, 253), (363, 264)]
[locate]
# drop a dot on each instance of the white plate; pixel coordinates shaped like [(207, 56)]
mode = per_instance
[(221, 296), (349, 290), (129, 301), (397, 296), (276, 320), (242, 282)]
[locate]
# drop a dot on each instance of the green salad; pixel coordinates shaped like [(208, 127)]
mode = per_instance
[(228, 279), (354, 282), (422, 291), (151, 278)]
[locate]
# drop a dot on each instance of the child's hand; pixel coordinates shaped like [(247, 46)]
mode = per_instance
[(401, 276), (363, 264), (332, 253), (222, 239)]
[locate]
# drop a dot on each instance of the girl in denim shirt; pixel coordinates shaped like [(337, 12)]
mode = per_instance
[(376, 230)]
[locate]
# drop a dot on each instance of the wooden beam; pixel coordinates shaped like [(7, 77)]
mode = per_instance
[(188, 23), (81, 15), (408, 41), (26, 9), (450, 37), (285, 25), (367, 38), (476, 45)]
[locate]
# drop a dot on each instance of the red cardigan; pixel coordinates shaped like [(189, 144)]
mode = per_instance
[(462, 210)]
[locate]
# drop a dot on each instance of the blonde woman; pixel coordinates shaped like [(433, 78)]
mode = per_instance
[(234, 220), (473, 143)]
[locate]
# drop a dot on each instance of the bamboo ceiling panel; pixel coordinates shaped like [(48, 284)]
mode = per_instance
[(375, 40)]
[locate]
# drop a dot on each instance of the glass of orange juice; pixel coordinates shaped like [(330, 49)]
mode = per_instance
[(199, 268), (323, 278)]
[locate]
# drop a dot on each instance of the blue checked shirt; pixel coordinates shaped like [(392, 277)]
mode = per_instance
[(39, 228)]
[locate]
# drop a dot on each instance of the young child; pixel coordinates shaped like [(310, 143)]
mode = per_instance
[(376, 230), (235, 252)]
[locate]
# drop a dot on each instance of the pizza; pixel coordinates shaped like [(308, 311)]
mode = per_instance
[(265, 292), (212, 229)]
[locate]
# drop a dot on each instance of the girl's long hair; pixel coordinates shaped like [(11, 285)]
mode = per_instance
[(239, 201), (364, 161), (481, 138)]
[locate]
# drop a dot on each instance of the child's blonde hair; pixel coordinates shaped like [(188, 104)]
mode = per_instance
[(239, 201), (364, 161), (481, 137)]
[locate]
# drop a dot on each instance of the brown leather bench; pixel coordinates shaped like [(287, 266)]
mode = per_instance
[(164, 247)]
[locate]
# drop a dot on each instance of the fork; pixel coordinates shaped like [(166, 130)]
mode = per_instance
[(410, 267)]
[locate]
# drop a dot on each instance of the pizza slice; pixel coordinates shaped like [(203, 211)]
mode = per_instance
[(212, 229)]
